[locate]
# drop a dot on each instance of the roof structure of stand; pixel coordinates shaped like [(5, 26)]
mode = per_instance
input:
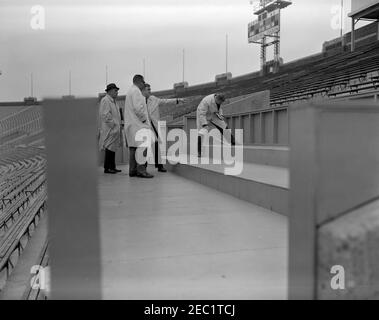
[(369, 13)]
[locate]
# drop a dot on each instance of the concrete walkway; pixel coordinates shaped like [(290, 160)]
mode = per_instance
[(171, 238)]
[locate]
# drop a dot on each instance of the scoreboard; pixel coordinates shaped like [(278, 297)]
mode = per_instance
[(268, 23)]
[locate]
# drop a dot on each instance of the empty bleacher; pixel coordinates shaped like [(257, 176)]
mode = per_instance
[(23, 127), (22, 184), (328, 74)]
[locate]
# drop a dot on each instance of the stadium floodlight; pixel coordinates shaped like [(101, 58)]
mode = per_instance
[(106, 75), (69, 96), (184, 52), (31, 84), (69, 82), (180, 86), (144, 67), (266, 29), (226, 54)]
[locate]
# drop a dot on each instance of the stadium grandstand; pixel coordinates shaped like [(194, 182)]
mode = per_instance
[(259, 103), (334, 72), (23, 181)]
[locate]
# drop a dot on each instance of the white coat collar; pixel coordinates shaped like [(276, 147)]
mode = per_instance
[(110, 98)]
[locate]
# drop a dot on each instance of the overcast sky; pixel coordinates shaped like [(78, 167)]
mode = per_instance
[(83, 36)]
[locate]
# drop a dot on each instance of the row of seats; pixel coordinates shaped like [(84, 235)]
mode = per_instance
[(329, 76), (18, 233), (24, 127), (22, 202), (22, 184), (23, 138)]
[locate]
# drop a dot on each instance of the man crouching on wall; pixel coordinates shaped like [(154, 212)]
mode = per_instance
[(209, 115)]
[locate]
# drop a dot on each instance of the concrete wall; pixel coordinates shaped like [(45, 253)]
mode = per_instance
[(262, 124), (334, 195)]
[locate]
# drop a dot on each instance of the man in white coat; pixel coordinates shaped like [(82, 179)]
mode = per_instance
[(153, 104), (110, 125), (209, 115), (136, 118)]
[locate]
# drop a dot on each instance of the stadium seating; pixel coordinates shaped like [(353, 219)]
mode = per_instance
[(22, 128), (323, 75), (22, 183)]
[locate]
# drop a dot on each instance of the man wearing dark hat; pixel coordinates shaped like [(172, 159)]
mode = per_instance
[(110, 126)]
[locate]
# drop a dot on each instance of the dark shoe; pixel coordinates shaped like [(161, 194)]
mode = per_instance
[(144, 175), (117, 170), (161, 169), (109, 171), (132, 174)]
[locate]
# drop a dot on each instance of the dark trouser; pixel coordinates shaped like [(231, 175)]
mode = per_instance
[(156, 158), (232, 142), (135, 167), (109, 160)]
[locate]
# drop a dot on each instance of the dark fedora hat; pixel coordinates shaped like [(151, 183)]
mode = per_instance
[(111, 86)]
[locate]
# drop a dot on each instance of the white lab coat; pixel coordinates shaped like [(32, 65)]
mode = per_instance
[(206, 111), (153, 104), (135, 115)]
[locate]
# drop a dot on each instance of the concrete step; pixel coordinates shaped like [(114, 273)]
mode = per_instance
[(262, 185), (276, 156), (269, 156)]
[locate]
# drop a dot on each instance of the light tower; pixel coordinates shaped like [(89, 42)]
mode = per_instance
[(69, 96), (224, 78), (31, 100), (266, 30), (106, 75), (144, 68), (181, 86)]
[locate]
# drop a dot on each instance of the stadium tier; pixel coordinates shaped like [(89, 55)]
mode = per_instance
[(22, 183), (22, 128), (23, 197), (329, 74)]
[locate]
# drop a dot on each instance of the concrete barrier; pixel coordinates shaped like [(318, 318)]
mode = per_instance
[(334, 189)]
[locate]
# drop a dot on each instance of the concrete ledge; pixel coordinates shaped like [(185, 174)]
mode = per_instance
[(276, 156), (268, 192), (351, 241), (270, 156)]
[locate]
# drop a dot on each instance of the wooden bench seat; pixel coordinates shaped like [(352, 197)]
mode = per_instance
[(14, 235), (13, 209)]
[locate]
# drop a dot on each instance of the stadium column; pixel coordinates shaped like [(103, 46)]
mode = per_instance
[(301, 276), (352, 34), (334, 200), (263, 54), (73, 198)]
